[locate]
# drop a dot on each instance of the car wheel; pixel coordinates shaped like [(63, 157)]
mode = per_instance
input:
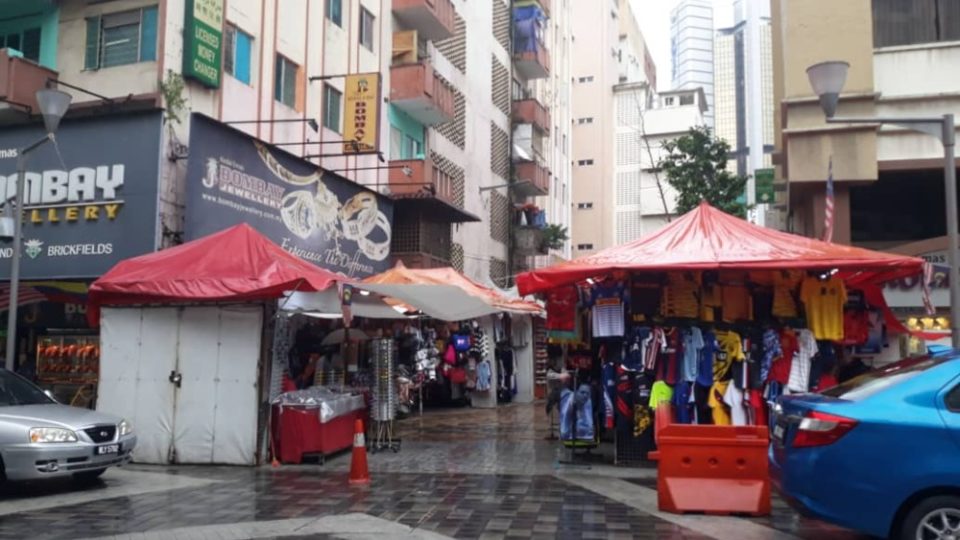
[(934, 518), (88, 476)]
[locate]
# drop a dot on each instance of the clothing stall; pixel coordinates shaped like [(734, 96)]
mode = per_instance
[(713, 314)]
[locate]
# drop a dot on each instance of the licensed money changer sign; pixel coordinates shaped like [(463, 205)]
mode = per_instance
[(203, 41), (361, 124)]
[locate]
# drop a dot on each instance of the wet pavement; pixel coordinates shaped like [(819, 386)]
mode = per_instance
[(459, 474)]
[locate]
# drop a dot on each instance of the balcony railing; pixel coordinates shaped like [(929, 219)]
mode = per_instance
[(421, 186), (533, 64), (416, 90), (20, 79), (531, 111), (432, 19), (535, 179)]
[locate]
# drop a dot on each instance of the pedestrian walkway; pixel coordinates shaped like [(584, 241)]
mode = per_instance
[(462, 473)]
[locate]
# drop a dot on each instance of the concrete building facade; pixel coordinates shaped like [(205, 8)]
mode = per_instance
[(889, 181), (604, 26), (691, 49)]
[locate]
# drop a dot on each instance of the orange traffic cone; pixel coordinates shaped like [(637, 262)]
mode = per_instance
[(359, 472)]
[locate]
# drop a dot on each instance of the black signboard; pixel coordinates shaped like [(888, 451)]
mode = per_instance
[(92, 204), (316, 215)]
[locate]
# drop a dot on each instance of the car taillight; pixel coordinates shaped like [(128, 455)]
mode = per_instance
[(821, 429)]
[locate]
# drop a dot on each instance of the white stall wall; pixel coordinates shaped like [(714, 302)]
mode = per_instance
[(523, 357), (212, 416)]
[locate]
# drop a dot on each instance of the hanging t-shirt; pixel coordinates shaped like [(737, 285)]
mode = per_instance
[(609, 373), (785, 283), (771, 351), (718, 408), (705, 366), (692, 345), (856, 327), (652, 345), (730, 351), (624, 402), (606, 301), (711, 300), (681, 296), (682, 402), (799, 381), (823, 302), (780, 369), (737, 304), (660, 391), (645, 295), (668, 363), (642, 415), (634, 358), (562, 309), (733, 397)]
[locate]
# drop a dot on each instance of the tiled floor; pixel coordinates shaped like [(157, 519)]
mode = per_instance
[(460, 473)]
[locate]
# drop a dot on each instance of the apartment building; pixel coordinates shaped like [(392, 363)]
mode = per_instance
[(691, 49), (616, 55)]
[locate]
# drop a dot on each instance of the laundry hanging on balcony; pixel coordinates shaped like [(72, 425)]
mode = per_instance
[(528, 28)]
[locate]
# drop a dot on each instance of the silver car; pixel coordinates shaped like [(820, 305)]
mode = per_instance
[(40, 438)]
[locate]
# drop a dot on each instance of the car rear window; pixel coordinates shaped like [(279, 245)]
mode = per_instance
[(877, 380)]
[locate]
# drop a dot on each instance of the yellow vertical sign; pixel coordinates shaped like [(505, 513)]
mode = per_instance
[(361, 109)]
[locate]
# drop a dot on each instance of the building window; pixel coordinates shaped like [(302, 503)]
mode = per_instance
[(583, 247), (332, 99), (587, 120), (584, 162), (334, 12), (27, 42), (686, 100), (584, 206), (123, 38), (896, 22), (237, 46), (412, 149), (586, 79), (366, 28), (285, 82), (668, 101)]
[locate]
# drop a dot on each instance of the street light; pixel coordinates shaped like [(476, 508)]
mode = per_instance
[(827, 80), (53, 105)]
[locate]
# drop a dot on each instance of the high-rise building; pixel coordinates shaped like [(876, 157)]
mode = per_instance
[(691, 49), (601, 59), (743, 75)]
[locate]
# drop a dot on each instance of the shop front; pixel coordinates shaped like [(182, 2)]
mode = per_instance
[(90, 202), (713, 315), (906, 298)]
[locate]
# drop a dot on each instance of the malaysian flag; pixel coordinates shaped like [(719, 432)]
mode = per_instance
[(927, 278), (828, 212)]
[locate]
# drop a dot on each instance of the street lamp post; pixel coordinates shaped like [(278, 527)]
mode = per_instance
[(53, 105), (827, 80)]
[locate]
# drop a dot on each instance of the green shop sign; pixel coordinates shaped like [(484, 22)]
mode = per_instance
[(203, 37)]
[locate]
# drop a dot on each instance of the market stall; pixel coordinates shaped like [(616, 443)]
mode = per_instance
[(184, 335), (711, 313)]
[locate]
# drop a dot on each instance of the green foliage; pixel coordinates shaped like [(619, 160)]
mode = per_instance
[(172, 89), (696, 166), (554, 236)]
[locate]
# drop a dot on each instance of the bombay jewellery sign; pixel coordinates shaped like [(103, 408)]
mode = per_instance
[(203, 41)]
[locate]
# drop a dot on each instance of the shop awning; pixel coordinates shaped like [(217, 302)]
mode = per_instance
[(236, 264), (707, 239), (444, 293), (327, 304)]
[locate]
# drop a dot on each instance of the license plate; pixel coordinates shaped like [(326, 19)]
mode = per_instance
[(778, 432), (108, 449)]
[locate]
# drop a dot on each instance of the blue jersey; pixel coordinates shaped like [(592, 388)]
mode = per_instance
[(705, 366)]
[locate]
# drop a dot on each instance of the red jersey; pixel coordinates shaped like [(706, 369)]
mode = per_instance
[(562, 309), (780, 369)]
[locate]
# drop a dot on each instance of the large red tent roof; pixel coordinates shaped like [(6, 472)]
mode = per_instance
[(236, 264), (707, 239)]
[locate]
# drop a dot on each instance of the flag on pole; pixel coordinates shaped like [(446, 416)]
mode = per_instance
[(829, 210)]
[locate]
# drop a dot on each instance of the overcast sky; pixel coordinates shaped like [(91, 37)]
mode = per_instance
[(654, 18)]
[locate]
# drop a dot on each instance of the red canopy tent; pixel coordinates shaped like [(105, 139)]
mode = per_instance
[(236, 264), (708, 239)]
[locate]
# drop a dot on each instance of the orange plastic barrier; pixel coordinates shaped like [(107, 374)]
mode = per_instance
[(711, 469)]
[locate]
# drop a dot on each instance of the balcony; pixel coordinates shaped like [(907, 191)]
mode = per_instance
[(19, 81), (420, 188), (533, 64), (535, 178), (432, 19), (531, 111), (416, 90)]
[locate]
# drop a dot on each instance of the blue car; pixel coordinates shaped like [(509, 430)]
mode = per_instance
[(879, 454)]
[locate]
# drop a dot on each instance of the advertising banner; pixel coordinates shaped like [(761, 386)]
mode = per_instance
[(90, 205), (361, 127), (316, 215), (203, 41)]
